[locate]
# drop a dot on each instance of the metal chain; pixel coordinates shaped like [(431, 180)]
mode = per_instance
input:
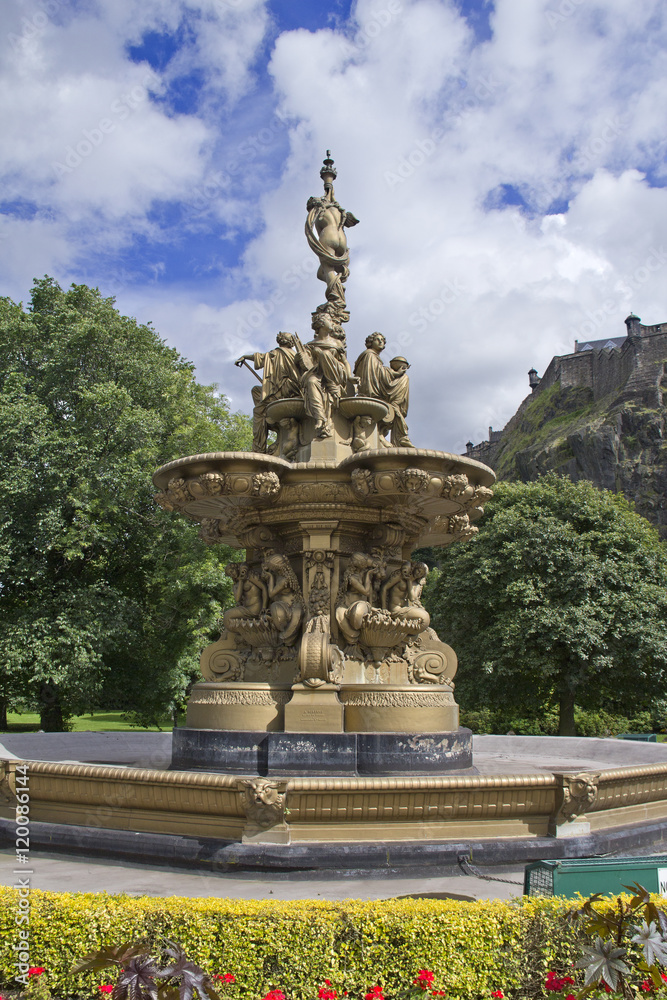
[(469, 869)]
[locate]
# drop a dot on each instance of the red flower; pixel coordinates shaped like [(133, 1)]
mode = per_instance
[(438, 993), (275, 995), (375, 994), (663, 977), (107, 988), (605, 986), (647, 985), (325, 992), (555, 983), (498, 994), (570, 996), (35, 970), (226, 977), (424, 979)]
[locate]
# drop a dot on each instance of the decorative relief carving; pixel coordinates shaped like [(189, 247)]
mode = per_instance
[(181, 492), (222, 662), (320, 661), (317, 493), (266, 484), (259, 536), (262, 801), (210, 484), (454, 486), (318, 566), (578, 793), (243, 697), (429, 660), (397, 699), (212, 530), (414, 480), (363, 483), (460, 526), (8, 781)]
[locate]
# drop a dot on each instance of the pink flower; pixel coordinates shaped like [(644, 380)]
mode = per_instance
[(35, 970), (107, 988)]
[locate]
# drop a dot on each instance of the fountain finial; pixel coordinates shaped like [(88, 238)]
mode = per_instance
[(325, 232)]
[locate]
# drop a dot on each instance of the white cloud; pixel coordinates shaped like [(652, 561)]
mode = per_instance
[(426, 125)]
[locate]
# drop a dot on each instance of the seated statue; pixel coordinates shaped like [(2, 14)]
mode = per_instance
[(391, 385), (281, 380), (285, 601), (250, 594), (401, 593), (355, 598)]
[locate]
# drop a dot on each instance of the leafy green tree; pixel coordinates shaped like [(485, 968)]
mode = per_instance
[(561, 599), (104, 598)]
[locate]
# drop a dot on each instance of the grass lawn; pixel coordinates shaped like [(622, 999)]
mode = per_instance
[(99, 722)]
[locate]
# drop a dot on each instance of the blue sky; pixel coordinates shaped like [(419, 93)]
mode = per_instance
[(506, 160)]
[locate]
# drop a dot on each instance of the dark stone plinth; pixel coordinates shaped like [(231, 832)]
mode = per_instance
[(315, 754), (228, 752), (413, 753), (311, 753)]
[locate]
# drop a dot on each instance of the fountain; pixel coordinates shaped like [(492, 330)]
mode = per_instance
[(325, 733), (327, 665)]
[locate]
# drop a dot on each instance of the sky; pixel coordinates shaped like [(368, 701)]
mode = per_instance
[(505, 158)]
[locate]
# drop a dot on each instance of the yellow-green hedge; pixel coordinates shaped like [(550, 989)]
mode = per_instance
[(473, 948)]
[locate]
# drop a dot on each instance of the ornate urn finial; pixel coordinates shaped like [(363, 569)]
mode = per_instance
[(328, 173)]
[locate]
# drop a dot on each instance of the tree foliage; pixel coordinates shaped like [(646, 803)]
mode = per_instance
[(104, 598), (560, 599)]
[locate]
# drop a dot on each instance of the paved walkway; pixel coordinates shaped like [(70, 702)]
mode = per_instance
[(64, 874)]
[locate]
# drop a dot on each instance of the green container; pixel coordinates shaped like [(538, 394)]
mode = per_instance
[(589, 875)]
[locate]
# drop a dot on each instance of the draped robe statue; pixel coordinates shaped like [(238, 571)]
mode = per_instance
[(391, 385)]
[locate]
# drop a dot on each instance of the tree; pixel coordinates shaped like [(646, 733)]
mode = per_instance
[(104, 598), (560, 599)]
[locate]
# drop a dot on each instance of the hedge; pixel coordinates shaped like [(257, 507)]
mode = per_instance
[(472, 948)]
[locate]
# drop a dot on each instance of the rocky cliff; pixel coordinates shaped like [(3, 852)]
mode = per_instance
[(617, 440)]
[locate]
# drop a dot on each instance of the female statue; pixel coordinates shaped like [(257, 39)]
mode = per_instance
[(401, 593), (250, 594), (284, 596)]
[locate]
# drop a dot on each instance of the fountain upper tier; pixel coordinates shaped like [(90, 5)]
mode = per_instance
[(245, 499)]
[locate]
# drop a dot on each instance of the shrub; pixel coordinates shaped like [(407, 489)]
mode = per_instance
[(472, 948)]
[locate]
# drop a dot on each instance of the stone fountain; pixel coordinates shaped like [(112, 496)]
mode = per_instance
[(327, 664), (324, 734)]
